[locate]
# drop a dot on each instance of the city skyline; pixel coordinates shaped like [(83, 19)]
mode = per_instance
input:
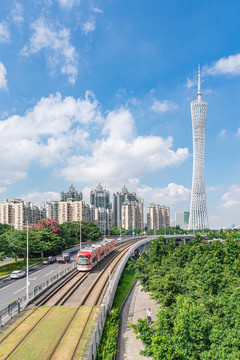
[(100, 91)]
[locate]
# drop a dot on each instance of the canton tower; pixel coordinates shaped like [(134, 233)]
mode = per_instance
[(198, 211)]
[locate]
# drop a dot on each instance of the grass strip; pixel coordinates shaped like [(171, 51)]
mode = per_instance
[(20, 264), (69, 342), (16, 323), (107, 346), (9, 344), (90, 326), (40, 343)]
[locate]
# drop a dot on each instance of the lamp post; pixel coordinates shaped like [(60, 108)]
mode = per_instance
[(105, 225), (119, 223), (27, 293), (80, 240)]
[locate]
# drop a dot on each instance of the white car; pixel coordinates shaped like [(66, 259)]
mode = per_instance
[(17, 274)]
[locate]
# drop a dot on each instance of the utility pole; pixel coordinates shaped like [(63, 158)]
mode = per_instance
[(80, 239), (27, 293)]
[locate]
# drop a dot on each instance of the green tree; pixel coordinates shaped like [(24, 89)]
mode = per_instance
[(198, 289), (16, 243), (4, 228), (71, 232)]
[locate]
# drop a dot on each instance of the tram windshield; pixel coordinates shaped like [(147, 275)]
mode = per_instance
[(83, 260)]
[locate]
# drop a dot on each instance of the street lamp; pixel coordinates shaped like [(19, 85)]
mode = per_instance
[(27, 293), (119, 223), (80, 240)]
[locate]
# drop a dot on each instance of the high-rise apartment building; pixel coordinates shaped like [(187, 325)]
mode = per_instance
[(71, 194), (103, 219), (118, 200), (182, 219), (51, 209), (100, 198), (18, 213), (132, 215), (158, 216), (198, 210), (72, 210)]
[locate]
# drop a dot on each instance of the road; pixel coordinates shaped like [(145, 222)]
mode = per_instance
[(15, 288), (12, 289)]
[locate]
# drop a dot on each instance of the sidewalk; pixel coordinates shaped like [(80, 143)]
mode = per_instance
[(134, 308)]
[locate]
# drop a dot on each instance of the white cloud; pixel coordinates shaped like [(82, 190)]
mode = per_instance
[(3, 77), (68, 3), (222, 133), (238, 132), (225, 65), (171, 195), (71, 71), (37, 198), (214, 188), (119, 124), (89, 26), (190, 83), (231, 199), (17, 13), (2, 189), (46, 134), (55, 133), (55, 42), (227, 212), (120, 155), (4, 32), (97, 10), (163, 106)]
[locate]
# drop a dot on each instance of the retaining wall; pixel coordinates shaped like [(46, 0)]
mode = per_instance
[(92, 347)]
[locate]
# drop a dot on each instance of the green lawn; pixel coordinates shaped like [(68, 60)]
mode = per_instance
[(69, 342), (125, 284), (40, 343), (106, 349), (8, 345), (82, 346)]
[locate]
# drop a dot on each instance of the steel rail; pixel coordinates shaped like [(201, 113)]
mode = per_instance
[(99, 295), (115, 260), (71, 290), (61, 297), (39, 320), (40, 304), (45, 300)]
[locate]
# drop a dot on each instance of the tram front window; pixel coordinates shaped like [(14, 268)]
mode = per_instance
[(83, 260)]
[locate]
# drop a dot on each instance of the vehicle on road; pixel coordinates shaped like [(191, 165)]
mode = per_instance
[(64, 258), (17, 274), (49, 260)]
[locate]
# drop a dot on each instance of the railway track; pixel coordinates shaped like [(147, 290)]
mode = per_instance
[(69, 331)]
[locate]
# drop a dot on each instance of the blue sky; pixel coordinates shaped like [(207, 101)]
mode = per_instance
[(100, 91)]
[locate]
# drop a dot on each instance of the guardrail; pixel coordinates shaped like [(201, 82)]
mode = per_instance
[(20, 304)]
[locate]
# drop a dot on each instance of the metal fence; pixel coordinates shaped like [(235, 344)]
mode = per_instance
[(20, 304)]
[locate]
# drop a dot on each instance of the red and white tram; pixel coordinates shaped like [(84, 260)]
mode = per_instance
[(91, 255)]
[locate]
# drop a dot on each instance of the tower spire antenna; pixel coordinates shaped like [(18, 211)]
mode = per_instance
[(199, 94)]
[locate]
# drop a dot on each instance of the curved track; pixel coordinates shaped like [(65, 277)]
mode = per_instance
[(63, 295)]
